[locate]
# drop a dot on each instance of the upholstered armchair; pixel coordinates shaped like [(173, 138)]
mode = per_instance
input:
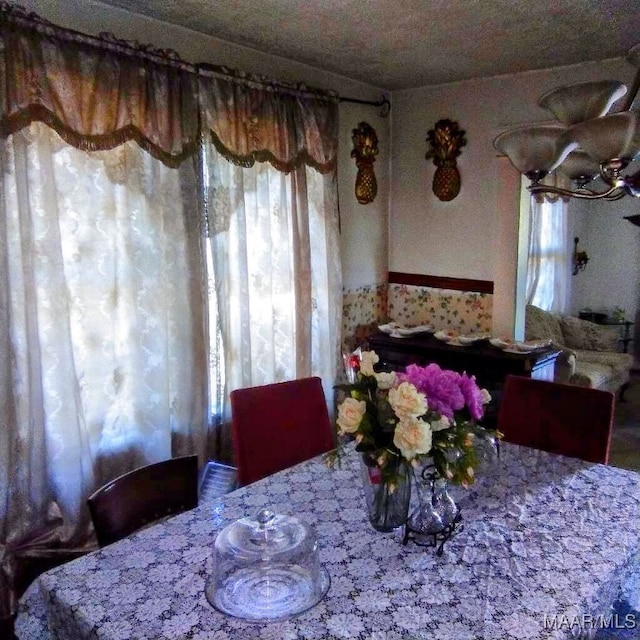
[(589, 357)]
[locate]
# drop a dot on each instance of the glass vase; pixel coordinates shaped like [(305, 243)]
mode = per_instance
[(443, 502), (387, 503)]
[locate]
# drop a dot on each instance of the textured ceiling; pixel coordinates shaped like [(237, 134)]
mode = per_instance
[(397, 44)]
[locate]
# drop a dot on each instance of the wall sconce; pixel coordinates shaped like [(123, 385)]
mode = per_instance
[(365, 150), (579, 258), (445, 142)]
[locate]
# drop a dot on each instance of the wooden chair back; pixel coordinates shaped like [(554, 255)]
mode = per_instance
[(143, 496), (276, 426), (559, 418)]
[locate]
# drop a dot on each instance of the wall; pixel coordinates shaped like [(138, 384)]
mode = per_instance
[(364, 232), (460, 238), (612, 276), (364, 227)]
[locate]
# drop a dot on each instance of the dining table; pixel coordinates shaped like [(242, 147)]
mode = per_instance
[(548, 544)]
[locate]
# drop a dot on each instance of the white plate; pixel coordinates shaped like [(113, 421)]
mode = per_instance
[(528, 347), (523, 347), (501, 344), (411, 331), (455, 342), (522, 352), (398, 331), (443, 336), (392, 327)]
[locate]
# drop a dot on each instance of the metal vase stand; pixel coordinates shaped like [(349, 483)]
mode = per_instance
[(439, 537)]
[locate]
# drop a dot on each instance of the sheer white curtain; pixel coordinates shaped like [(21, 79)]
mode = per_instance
[(101, 329), (548, 264), (275, 247)]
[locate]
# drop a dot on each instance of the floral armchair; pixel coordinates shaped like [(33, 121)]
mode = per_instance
[(589, 351)]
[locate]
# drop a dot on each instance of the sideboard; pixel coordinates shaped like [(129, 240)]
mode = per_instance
[(488, 364)]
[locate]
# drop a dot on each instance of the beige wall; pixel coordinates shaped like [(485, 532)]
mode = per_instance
[(364, 228), (467, 237), (612, 276)]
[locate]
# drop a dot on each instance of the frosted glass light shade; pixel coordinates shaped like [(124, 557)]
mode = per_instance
[(536, 149), (582, 101), (614, 136), (579, 165)]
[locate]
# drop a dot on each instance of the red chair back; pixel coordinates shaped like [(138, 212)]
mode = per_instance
[(278, 425), (559, 418)]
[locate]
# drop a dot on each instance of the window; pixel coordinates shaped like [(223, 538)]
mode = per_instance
[(548, 255)]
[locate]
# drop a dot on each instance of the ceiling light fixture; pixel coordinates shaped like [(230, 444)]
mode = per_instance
[(585, 143)]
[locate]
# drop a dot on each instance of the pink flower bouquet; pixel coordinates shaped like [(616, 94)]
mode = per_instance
[(423, 414)]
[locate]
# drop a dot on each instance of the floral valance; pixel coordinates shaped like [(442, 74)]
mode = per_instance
[(95, 97), (253, 119), (99, 92)]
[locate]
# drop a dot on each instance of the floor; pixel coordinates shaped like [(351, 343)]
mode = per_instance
[(625, 441)]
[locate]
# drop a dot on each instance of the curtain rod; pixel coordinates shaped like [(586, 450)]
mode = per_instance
[(16, 14), (383, 103)]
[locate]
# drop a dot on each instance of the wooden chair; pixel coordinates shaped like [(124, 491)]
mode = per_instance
[(559, 418), (142, 496), (276, 426)]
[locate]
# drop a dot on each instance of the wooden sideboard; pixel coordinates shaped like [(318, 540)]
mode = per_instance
[(481, 359), (488, 364)]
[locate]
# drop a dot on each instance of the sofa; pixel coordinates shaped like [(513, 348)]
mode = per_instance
[(589, 355)]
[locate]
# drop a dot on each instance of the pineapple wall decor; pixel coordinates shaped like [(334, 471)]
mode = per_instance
[(445, 142), (365, 150)]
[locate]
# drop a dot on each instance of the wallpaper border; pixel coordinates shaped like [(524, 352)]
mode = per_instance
[(441, 282)]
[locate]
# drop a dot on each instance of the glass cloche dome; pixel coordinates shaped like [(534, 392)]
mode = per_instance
[(266, 568)]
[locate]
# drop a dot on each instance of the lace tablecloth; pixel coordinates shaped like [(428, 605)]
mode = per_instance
[(546, 540)]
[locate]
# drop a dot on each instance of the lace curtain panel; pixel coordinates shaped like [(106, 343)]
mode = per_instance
[(104, 351), (104, 311), (275, 248), (548, 264)]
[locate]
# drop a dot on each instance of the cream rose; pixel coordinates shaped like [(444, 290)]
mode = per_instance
[(350, 414), (367, 360), (486, 396), (442, 423), (407, 402), (385, 380), (413, 437)]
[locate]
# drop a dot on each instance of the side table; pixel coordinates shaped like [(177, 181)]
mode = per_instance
[(625, 337)]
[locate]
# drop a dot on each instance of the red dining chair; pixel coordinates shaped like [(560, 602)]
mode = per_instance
[(142, 496), (559, 418), (276, 426)]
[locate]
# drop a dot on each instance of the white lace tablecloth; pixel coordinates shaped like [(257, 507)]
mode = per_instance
[(543, 536)]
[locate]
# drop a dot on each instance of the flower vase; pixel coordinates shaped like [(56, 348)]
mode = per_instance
[(387, 502)]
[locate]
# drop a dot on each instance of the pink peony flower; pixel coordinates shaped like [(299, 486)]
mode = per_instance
[(473, 396), (446, 391)]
